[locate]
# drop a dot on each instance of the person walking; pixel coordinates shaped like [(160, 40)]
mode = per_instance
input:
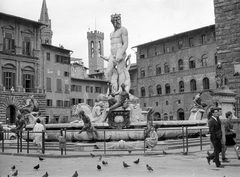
[(215, 136), (38, 128), (230, 133)]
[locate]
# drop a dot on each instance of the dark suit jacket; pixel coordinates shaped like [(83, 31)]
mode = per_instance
[(215, 129)]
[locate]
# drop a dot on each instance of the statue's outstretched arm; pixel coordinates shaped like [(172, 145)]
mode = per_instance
[(104, 58)]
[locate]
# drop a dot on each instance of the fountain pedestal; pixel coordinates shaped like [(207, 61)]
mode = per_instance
[(119, 118), (225, 99)]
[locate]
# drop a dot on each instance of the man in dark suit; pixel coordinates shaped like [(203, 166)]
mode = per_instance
[(215, 130)]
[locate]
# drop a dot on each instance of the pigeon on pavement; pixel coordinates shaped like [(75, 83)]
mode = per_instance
[(41, 159), (75, 174), (136, 161), (93, 155), (164, 153), (15, 173), (125, 165), (104, 162), (45, 175), (13, 167), (99, 167), (36, 167), (149, 168)]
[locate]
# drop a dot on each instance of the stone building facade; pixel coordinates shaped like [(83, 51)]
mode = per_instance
[(227, 15), (57, 80), (172, 70), (20, 45)]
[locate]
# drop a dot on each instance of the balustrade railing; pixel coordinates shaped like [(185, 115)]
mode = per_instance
[(63, 134)]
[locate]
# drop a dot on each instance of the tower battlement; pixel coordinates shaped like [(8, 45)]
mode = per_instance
[(94, 34)]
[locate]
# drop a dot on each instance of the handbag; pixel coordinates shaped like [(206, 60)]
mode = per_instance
[(232, 135)]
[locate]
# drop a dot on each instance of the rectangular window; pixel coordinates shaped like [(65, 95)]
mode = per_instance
[(8, 43), (8, 80), (49, 84), (164, 49), (59, 103), (142, 56), (58, 59), (167, 50), (48, 56), (66, 104), (66, 74), (87, 89), (173, 48), (67, 88), (65, 60), (59, 85), (180, 44), (191, 42), (79, 88), (157, 50), (80, 100), (204, 39), (28, 82), (98, 90), (26, 46), (73, 88), (49, 102), (73, 101)]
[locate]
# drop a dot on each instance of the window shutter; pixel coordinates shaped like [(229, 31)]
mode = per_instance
[(13, 80), (23, 47), (3, 79), (13, 46), (24, 80), (32, 81)]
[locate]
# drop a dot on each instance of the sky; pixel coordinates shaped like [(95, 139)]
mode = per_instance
[(145, 20)]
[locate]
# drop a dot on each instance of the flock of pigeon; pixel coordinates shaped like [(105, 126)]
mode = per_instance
[(104, 163), (14, 171)]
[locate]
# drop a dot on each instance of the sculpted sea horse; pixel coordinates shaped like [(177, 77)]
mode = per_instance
[(96, 114)]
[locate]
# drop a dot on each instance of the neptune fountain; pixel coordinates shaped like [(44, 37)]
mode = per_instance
[(117, 115)]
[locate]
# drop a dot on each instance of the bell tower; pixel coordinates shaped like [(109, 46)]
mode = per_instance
[(46, 32), (95, 48)]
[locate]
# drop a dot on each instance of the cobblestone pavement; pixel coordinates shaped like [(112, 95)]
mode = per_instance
[(174, 164)]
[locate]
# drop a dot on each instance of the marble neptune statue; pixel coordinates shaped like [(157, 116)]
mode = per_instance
[(117, 68)]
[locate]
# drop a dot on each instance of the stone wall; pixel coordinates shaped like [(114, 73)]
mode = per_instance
[(227, 21)]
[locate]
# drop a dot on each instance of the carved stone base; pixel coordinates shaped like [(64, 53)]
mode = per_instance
[(119, 119)]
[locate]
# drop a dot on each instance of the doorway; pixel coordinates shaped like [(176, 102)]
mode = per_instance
[(11, 115), (180, 114)]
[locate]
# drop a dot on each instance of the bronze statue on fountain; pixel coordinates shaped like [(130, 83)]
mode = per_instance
[(30, 110)]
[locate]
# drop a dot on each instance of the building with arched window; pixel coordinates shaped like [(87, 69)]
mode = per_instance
[(20, 61), (188, 66)]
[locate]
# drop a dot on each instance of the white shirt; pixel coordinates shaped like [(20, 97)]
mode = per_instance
[(214, 118), (38, 127)]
